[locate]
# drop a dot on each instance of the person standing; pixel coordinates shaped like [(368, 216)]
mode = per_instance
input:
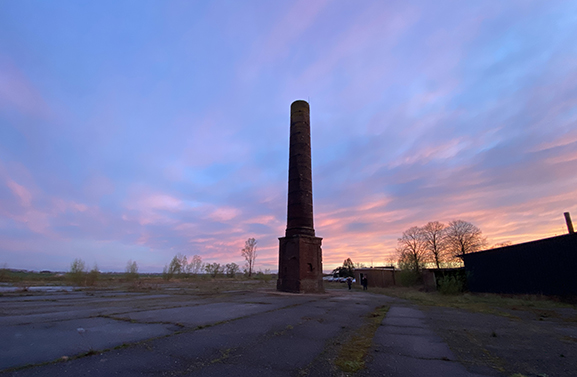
[(349, 282), (365, 283)]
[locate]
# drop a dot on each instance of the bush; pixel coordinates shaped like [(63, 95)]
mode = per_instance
[(77, 271), (451, 285), (231, 269), (408, 278), (92, 276), (213, 269), (4, 273), (166, 273), (131, 271), (264, 276)]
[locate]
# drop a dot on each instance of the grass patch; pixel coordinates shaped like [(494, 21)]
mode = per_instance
[(476, 302), (451, 285), (352, 355), (194, 284), (224, 354)]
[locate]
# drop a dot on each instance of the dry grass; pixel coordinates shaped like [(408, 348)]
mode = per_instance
[(143, 282), (477, 302), (353, 353), (488, 303)]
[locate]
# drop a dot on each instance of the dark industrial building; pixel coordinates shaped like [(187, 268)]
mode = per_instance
[(547, 266)]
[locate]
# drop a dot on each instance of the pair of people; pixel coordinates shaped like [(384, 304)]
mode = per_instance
[(364, 282)]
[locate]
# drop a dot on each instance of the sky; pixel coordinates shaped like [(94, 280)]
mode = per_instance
[(136, 130)]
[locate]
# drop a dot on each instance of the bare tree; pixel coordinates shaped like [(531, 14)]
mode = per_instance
[(464, 238), (195, 265), (131, 271), (77, 271), (231, 269), (411, 249), (213, 269), (249, 254), (501, 244), (435, 241)]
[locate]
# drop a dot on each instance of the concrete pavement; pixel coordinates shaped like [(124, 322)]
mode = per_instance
[(406, 346), (236, 334)]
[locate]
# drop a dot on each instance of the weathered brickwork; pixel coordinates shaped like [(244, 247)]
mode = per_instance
[(300, 254)]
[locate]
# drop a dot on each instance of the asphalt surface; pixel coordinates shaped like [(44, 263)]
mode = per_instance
[(231, 334)]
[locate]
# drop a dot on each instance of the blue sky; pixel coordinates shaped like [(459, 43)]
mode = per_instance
[(141, 129)]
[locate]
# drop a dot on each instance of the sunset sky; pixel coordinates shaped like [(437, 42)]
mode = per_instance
[(141, 129)]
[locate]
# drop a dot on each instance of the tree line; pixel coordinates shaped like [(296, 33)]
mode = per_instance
[(180, 266), (438, 244)]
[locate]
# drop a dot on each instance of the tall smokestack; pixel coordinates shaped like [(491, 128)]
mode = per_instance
[(300, 190), (569, 223), (300, 267)]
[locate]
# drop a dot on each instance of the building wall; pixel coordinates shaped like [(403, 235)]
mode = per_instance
[(547, 266), (376, 277)]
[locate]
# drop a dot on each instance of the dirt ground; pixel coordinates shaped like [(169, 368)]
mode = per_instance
[(529, 342)]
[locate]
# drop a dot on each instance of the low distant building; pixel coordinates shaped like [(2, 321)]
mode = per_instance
[(547, 266), (377, 276), (382, 277)]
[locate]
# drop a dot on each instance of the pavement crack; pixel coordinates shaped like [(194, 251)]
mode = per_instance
[(130, 320)]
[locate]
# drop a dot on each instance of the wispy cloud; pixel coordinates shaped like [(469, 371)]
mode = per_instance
[(168, 132)]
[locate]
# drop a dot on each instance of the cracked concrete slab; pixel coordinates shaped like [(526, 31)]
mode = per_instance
[(404, 366), (200, 315), (235, 334), (47, 341), (405, 346)]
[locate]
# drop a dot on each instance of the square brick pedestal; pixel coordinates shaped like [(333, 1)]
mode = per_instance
[(300, 264)]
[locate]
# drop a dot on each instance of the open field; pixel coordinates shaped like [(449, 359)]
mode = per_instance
[(242, 327), (530, 335), (476, 302)]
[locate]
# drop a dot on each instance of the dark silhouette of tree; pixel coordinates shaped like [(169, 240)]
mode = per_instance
[(349, 265), (345, 270), (93, 275), (213, 269), (195, 265), (77, 271), (501, 244), (131, 270), (231, 269), (434, 237), (249, 254), (411, 249), (464, 238)]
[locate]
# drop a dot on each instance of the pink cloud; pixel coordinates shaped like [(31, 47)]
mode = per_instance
[(224, 214), (151, 208), (98, 185), (387, 26), (21, 192), (37, 211), (161, 202), (17, 92), (297, 20)]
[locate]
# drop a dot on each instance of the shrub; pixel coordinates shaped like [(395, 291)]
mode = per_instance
[(167, 273), (451, 285), (408, 278), (92, 276), (131, 271), (4, 273), (263, 276), (231, 269), (77, 271), (213, 269)]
